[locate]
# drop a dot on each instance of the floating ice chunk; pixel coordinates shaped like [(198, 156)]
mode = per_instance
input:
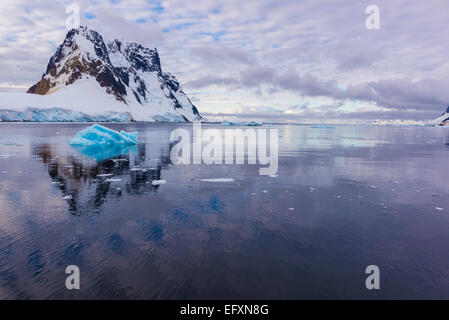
[(158, 182), (373, 187), (439, 208), (264, 191), (113, 180), (218, 180), (69, 197), (291, 209), (104, 175), (273, 175), (5, 156), (4, 172), (100, 135)]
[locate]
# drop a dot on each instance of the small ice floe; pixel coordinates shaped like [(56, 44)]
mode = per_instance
[(373, 187), (359, 196), (158, 182), (264, 191), (253, 194), (68, 167), (4, 172), (338, 196), (113, 180), (291, 209), (136, 169), (104, 175), (218, 180), (120, 160), (118, 188), (273, 175), (439, 208), (69, 197), (5, 156)]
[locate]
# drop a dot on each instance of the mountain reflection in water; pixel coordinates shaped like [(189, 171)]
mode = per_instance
[(116, 171)]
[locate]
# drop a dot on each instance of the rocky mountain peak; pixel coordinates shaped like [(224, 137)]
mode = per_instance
[(129, 71)]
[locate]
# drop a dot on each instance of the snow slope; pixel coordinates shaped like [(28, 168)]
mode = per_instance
[(442, 120)]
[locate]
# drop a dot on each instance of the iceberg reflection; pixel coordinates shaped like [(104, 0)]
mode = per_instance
[(103, 152)]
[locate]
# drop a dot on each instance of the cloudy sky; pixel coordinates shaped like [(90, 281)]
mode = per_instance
[(287, 60)]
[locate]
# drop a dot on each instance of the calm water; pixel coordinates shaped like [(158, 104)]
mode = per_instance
[(344, 198)]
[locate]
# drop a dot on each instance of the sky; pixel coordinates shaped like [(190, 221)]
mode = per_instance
[(298, 60)]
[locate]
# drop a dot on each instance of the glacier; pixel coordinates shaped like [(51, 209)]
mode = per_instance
[(241, 123)]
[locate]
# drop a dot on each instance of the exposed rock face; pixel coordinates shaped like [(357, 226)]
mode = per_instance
[(128, 71)]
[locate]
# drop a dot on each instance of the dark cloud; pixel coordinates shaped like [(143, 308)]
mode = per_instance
[(429, 94)]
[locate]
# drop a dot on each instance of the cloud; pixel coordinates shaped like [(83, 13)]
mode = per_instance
[(222, 54), (208, 81)]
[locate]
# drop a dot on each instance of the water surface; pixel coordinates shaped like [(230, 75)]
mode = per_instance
[(345, 197)]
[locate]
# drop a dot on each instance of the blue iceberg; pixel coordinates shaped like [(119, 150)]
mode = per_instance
[(103, 152), (97, 135)]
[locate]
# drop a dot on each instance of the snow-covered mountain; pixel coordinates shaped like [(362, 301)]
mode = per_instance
[(443, 120), (90, 80)]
